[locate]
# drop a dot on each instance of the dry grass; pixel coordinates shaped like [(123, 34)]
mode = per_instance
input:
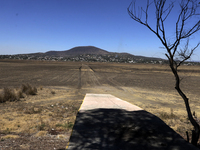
[(150, 87), (165, 115), (9, 136), (41, 133), (11, 95), (44, 113), (28, 89), (53, 92)]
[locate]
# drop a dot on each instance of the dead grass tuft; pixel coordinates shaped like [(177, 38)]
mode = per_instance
[(25, 146), (41, 87), (11, 95), (165, 115), (32, 110), (28, 89), (41, 133), (53, 92), (20, 94), (61, 136), (68, 125), (8, 95), (1, 98), (10, 136)]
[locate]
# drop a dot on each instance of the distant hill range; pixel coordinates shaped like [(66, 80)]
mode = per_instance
[(88, 50)]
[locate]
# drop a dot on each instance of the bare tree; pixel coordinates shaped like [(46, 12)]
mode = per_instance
[(183, 31)]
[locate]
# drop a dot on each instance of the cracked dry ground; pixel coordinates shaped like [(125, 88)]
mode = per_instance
[(44, 121)]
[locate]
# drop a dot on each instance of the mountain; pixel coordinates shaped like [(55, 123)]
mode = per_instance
[(87, 50), (76, 51)]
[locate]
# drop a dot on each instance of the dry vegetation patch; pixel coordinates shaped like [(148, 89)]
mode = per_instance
[(10, 95), (45, 115)]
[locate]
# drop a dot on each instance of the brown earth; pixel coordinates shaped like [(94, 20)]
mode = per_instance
[(44, 121)]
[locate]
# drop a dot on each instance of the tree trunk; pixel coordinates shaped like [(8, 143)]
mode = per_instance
[(196, 131)]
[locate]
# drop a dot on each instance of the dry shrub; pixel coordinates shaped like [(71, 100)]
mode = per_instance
[(41, 87), (1, 98), (165, 115), (32, 110), (24, 87), (53, 92), (68, 125), (41, 133), (8, 95), (20, 94), (10, 136), (61, 136), (28, 89)]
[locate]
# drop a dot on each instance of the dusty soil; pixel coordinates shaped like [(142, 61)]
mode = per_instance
[(45, 121)]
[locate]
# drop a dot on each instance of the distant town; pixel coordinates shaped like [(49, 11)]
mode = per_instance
[(93, 58), (90, 54)]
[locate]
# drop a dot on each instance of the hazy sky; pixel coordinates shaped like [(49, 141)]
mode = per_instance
[(28, 26)]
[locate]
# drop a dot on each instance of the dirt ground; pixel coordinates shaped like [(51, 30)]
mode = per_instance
[(44, 121)]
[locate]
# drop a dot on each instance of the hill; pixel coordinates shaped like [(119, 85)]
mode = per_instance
[(76, 51), (87, 50)]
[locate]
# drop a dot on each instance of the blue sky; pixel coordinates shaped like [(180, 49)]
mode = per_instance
[(28, 26)]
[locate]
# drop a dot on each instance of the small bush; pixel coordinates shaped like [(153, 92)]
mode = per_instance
[(14, 95), (41, 87), (32, 110), (8, 95), (28, 90), (53, 92), (164, 115), (20, 94), (9, 136), (68, 125), (24, 87), (42, 126), (32, 91), (1, 99)]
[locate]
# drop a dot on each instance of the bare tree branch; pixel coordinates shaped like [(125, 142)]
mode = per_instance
[(188, 10), (186, 54)]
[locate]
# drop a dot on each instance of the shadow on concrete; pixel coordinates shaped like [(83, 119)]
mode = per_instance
[(117, 129)]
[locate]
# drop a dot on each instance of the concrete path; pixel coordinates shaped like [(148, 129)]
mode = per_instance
[(105, 101), (105, 122)]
